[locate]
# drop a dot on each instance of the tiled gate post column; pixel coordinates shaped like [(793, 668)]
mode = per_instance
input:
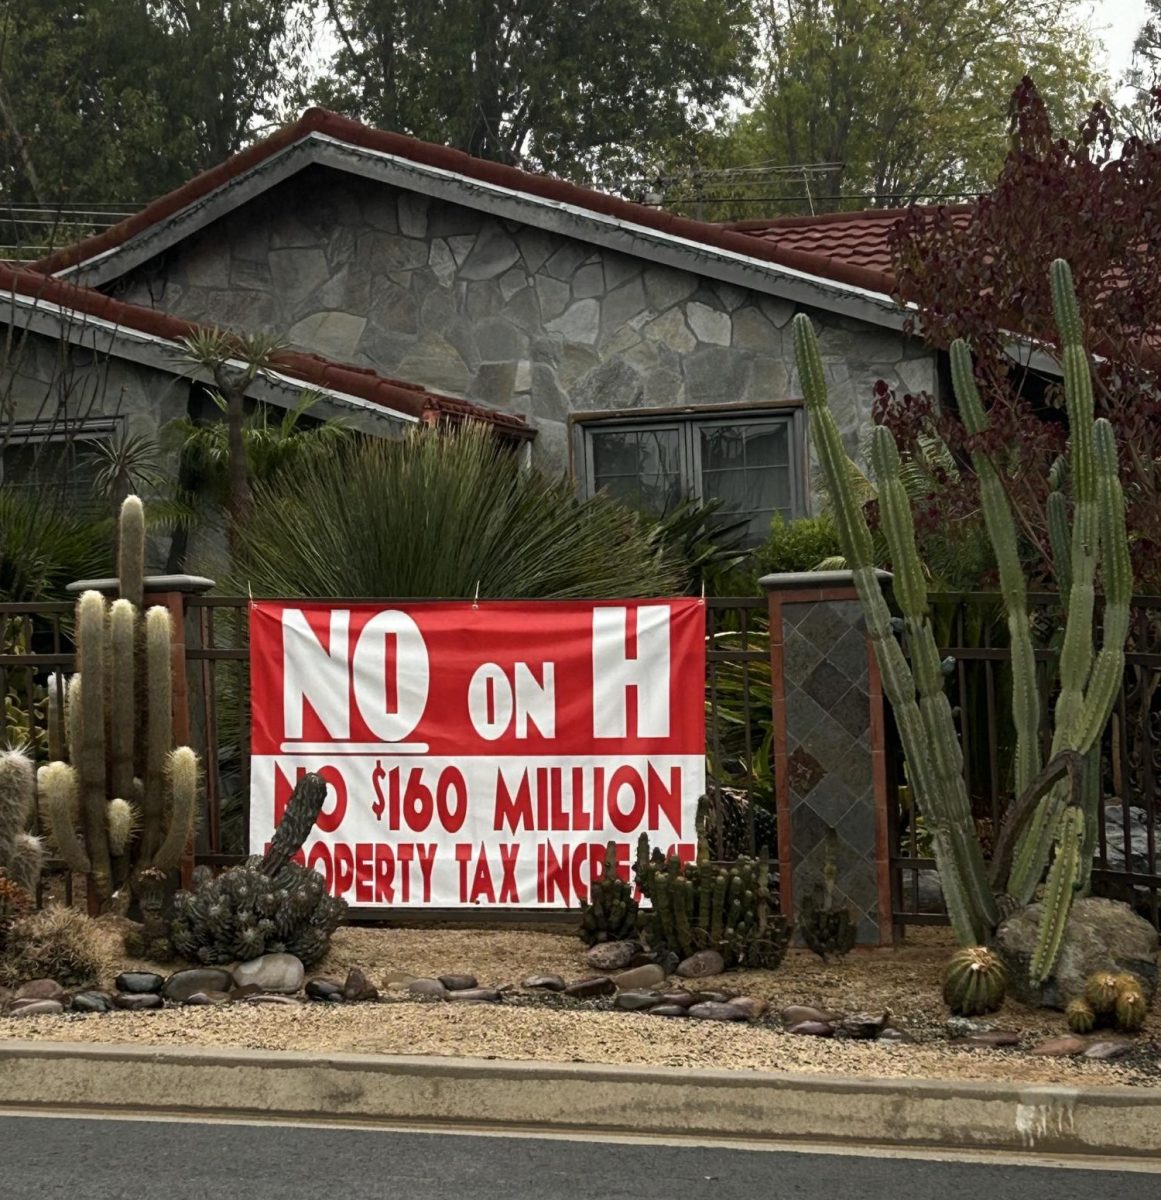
[(829, 751)]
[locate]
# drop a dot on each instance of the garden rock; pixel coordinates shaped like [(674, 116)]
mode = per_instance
[(459, 983), (752, 1006), (960, 1027), (358, 987), (992, 1039), (704, 962), (397, 979), (712, 1011), (427, 987), (42, 989), (812, 1028), (794, 1014), (891, 1035), (640, 977), (476, 995), (280, 973), (545, 983), (1102, 935), (36, 1008), (139, 983), (275, 998), (713, 997), (92, 1002), (329, 990), (682, 1000), (612, 956), (585, 989), (206, 999), (245, 991), (636, 1001), (138, 1001), (669, 1010), (1108, 1050), (864, 1026), (1061, 1047), (183, 984)]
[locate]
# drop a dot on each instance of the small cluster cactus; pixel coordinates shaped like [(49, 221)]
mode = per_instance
[(267, 905), (21, 853), (125, 800), (704, 906), (611, 913), (1109, 999), (825, 929), (975, 982)]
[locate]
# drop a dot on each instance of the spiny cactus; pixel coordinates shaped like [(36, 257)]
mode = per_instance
[(1100, 991), (126, 799), (1131, 1008), (700, 906), (1113, 999), (825, 929), (611, 912), (1080, 1016), (269, 904), (975, 982), (1054, 821), (15, 904), (21, 854)]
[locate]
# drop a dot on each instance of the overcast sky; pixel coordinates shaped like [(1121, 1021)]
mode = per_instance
[(1116, 23)]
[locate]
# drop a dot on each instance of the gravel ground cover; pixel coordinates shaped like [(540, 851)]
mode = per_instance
[(547, 1027)]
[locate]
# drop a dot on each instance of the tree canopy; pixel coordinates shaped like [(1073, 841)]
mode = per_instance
[(896, 100)]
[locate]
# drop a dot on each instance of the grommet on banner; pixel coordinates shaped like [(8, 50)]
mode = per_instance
[(476, 601), (703, 591)]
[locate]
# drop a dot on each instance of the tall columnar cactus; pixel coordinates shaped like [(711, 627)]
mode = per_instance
[(21, 854), (610, 914), (1055, 818), (126, 800)]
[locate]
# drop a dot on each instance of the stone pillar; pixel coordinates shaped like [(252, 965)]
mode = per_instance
[(829, 748), (167, 591)]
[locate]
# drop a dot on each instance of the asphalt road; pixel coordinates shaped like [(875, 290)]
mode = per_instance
[(66, 1158)]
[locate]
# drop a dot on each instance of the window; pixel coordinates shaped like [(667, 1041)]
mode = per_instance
[(750, 462), (56, 458)]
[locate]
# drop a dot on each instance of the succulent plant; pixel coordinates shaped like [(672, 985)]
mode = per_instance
[(708, 906), (269, 904), (1100, 990), (126, 799), (1131, 1008), (974, 982), (16, 903), (1053, 823), (21, 854), (825, 929), (611, 912), (1080, 1016)]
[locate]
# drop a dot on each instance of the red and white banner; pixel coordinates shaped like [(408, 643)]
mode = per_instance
[(479, 754)]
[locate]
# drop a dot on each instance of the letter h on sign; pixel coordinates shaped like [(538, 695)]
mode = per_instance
[(619, 666)]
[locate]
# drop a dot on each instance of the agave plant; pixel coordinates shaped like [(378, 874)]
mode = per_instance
[(448, 514)]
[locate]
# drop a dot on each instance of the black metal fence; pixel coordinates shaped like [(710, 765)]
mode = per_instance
[(972, 633)]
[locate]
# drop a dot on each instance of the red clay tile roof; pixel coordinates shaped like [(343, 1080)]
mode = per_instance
[(808, 259), (856, 239), (390, 394)]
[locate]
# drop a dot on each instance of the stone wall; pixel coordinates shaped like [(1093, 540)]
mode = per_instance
[(507, 315)]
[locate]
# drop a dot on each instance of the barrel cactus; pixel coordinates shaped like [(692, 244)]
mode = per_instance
[(1100, 990), (1080, 1016), (267, 905), (610, 915), (975, 982), (1131, 1007)]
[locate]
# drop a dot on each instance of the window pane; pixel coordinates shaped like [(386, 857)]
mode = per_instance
[(768, 447), (65, 469), (640, 467), (747, 468)]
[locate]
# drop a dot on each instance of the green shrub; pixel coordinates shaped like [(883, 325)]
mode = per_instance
[(799, 545), (56, 943)]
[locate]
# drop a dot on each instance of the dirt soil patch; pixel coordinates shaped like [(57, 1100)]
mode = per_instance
[(530, 1025)]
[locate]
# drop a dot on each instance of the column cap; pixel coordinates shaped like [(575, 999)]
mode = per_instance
[(789, 581), (190, 584)]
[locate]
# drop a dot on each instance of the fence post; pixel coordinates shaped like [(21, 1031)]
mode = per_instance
[(829, 748)]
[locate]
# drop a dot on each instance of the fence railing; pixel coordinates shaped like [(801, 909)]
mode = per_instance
[(972, 633)]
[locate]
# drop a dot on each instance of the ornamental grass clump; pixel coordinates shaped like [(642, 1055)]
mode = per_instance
[(1052, 827)]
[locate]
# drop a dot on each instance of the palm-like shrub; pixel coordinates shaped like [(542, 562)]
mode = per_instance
[(45, 545), (438, 514)]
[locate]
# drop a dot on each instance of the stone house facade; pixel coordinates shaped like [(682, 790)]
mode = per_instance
[(645, 354)]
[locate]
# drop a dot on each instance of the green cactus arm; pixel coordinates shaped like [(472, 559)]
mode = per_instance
[(131, 551), (158, 729), (123, 697), (57, 692), (27, 861), (970, 904), (1063, 876), (182, 774), (59, 790), (17, 789), (1058, 535), (1001, 529), (90, 698)]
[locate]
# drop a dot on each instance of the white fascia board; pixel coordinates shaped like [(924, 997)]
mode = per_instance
[(149, 349), (568, 220)]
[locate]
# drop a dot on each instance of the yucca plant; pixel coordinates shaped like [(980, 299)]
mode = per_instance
[(45, 545), (441, 514)]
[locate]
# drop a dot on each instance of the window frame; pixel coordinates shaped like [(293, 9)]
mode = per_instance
[(23, 434), (689, 423)]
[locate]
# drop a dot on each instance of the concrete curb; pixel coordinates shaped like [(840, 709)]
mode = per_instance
[(562, 1097)]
